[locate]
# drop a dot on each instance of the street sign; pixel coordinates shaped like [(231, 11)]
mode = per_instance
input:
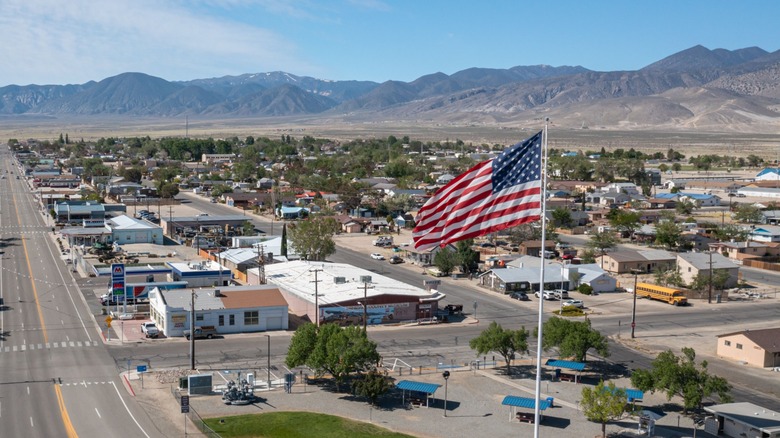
[(633, 324), (109, 319), (431, 283), (140, 368), (118, 279), (185, 404)]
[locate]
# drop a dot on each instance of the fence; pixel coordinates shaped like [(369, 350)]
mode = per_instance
[(194, 416), (760, 264)]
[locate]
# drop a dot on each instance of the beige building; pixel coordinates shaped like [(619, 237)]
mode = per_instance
[(760, 348), (690, 264)]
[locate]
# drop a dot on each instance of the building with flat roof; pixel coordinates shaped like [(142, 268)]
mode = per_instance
[(202, 273), (125, 229), (343, 290), (240, 309), (737, 420)]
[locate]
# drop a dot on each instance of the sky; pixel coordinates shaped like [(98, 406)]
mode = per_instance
[(75, 41)]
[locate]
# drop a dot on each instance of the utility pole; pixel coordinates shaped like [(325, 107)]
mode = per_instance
[(260, 264), (709, 293), (192, 330), (633, 308), (316, 297), (365, 303)]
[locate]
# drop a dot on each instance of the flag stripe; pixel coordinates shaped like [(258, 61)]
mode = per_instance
[(491, 196)]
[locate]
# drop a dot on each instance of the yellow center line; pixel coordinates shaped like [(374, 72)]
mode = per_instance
[(29, 268), (69, 429)]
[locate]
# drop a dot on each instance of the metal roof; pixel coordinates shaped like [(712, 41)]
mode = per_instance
[(524, 402), (634, 394), (409, 385), (577, 366)]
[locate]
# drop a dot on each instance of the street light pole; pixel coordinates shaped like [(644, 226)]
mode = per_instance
[(269, 361), (192, 330), (446, 376), (633, 307), (709, 293)]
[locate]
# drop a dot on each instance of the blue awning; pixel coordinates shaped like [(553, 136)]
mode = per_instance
[(408, 385), (634, 394), (524, 402), (576, 366)]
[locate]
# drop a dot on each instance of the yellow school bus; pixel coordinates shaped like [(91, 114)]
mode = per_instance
[(661, 293)]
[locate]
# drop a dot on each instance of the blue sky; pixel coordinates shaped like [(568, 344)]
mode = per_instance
[(74, 41)]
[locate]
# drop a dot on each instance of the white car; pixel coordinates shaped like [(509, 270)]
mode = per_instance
[(548, 295), (576, 303), (377, 256)]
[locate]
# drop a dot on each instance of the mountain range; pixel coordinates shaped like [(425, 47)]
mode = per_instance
[(697, 88)]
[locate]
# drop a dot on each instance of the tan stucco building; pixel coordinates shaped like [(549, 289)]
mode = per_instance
[(760, 348)]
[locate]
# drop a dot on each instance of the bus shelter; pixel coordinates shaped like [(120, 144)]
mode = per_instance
[(417, 390), (515, 402), (573, 369)]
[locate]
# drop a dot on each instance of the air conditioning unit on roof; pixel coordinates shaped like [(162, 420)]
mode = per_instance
[(339, 280)]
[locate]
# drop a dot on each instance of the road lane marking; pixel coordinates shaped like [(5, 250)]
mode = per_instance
[(98, 412), (28, 390), (31, 422), (128, 410), (69, 429)]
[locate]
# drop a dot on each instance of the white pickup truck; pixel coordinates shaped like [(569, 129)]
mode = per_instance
[(149, 329)]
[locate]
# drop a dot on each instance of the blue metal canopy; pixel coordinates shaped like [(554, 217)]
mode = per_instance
[(634, 394), (576, 366), (524, 402), (408, 385)]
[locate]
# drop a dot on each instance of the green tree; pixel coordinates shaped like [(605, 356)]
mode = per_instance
[(624, 221), (168, 190), (747, 213), (602, 404), (561, 217), (668, 234), (342, 351), (247, 229), (446, 260), (602, 241), (301, 345), (681, 376), (312, 238), (218, 190), (572, 338), (372, 386), (283, 249), (468, 259), (668, 277), (728, 232), (505, 342), (684, 207)]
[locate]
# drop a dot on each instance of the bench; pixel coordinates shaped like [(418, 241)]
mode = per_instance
[(525, 418), (415, 401), (567, 378)]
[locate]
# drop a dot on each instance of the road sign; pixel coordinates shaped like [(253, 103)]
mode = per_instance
[(118, 279), (185, 404), (633, 324), (109, 319), (140, 368)]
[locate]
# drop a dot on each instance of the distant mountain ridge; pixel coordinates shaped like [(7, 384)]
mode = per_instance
[(697, 87)]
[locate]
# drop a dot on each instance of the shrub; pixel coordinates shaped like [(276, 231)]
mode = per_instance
[(585, 289)]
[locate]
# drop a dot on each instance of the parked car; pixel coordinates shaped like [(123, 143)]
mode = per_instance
[(149, 329), (561, 294), (576, 303), (548, 295), (394, 260), (522, 296), (377, 256), (207, 331)]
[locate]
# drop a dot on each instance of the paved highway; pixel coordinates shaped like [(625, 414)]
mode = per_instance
[(57, 378)]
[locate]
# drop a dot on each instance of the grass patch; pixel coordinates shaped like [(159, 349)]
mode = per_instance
[(296, 425), (569, 311)]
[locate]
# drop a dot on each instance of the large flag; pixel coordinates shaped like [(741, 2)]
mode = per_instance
[(491, 196)]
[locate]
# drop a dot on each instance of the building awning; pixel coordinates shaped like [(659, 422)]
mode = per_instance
[(576, 366), (409, 385), (524, 402)]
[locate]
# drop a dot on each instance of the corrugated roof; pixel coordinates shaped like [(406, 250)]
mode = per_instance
[(524, 402), (768, 339), (576, 366), (127, 223), (634, 394), (409, 385)]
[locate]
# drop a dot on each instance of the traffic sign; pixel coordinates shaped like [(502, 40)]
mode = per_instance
[(140, 368), (185, 404), (633, 324)]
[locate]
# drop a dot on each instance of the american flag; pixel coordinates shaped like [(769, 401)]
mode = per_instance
[(491, 196)]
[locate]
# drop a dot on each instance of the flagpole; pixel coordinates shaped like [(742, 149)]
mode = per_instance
[(537, 393)]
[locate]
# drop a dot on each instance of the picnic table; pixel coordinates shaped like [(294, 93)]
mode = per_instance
[(525, 417)]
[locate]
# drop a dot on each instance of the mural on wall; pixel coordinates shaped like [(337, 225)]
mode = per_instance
[(353, 315)]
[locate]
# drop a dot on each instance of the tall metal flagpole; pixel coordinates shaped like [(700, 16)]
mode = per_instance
[(537, 393)]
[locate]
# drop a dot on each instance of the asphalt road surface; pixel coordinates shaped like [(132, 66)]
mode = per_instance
[(57, 378)]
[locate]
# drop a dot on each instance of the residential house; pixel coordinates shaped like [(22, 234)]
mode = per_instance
[(626, 260), (768, 174), (701, 200), (764, 233), (534, 247), (623, 187), (690, 264), (759, 348)]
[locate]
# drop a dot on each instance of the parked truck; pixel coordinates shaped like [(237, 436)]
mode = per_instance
[(383, 241), (207, 331), (149, 329)]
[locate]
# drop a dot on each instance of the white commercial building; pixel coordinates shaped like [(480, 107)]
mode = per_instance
[(343, 291), (239, 309)]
